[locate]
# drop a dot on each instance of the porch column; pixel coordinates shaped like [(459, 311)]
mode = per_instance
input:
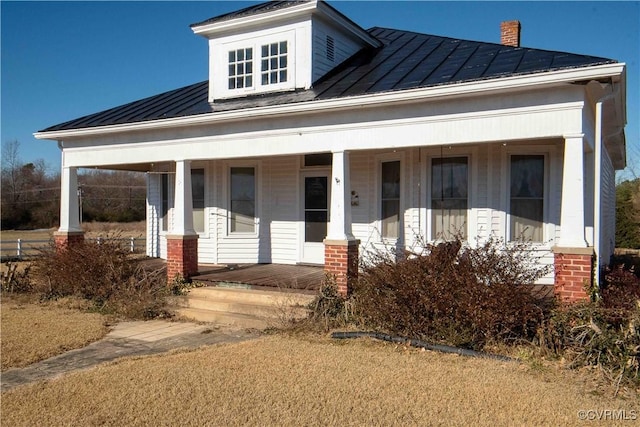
[(70, 232), (573, 258), (340, 246), (182, 241)]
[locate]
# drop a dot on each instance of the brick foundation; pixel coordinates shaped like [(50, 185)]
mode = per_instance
[(182, 256), (573, 273), (64, 239), (341, 261)]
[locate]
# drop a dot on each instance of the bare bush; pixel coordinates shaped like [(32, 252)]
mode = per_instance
[(104, 273)]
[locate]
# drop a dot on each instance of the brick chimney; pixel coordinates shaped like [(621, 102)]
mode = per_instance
[(510, 33)]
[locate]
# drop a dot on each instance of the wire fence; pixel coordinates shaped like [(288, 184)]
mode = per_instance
[(25, 249)]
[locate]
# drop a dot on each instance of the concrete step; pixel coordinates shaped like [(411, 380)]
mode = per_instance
[(247, 308), (251, 296), (222, 318), (261, 310)]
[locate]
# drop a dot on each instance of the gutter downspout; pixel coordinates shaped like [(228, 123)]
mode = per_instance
[(597, 211)]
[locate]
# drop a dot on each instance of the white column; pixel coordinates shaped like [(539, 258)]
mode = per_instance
[(183, 202), (69, 208), (340, 209), (572, 233)]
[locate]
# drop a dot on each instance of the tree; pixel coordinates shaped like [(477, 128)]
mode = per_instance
[(628, 214)]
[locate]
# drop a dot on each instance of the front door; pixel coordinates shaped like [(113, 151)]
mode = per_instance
[(316, 216)]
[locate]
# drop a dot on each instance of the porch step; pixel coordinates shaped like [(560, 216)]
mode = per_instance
[(221, 318), (247, 308)]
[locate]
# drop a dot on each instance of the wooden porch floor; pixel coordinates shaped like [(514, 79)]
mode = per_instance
[(276, 276)]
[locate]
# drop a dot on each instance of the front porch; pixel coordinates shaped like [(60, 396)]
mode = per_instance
[(298, 278)]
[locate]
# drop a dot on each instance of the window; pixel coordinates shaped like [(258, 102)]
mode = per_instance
[(241, 68), (273, 67), (321, 159), (390, 199), (449, 195), (242, 200), (526, 207), (197, 195), (164, 208)]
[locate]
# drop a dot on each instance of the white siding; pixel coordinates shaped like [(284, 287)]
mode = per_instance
[(343, 48), (282, 211), (153, 213), (608, 212)]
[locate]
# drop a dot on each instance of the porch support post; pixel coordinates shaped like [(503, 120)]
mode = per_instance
[(341, 247), (182, 241), (70, 232), (573, 258)]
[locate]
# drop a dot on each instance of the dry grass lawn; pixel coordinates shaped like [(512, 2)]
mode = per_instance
[(35, 331), (282, 380)]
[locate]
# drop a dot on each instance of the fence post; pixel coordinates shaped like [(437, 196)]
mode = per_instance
[(132, 245), (19, 250)]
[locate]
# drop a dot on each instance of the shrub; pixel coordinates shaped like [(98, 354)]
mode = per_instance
[(603, 333), (104, 273), (329, 309), (453, 294), (15, 280)]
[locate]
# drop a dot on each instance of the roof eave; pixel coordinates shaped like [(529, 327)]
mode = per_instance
[(213, 28), (613, 70)]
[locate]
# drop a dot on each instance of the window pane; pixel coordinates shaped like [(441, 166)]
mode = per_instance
[(322, 159), (283, 76), (242, 216), (197, 194), (449, 194), (274, 48), (390, 199), (232, 56), (390, 218), (249, 54), (390, 180), (248, 81), (315, 226), (315, 192), (526, 209), (265, 51), (283, 47), (527, 176)]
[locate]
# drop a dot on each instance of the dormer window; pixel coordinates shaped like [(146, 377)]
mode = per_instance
[(274, 63), (241, 68)]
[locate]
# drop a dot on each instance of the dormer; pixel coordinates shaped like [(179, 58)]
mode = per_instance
[(277, 46)]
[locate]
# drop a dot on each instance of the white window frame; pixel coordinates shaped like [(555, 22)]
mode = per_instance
[(244, 74), (377, 199), (258, 200), (471, 153), (548, 228), (256, 44)]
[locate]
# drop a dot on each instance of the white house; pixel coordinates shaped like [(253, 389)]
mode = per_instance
[(314, 141)]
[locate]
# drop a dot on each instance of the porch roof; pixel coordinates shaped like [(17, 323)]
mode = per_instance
[(406, 60)]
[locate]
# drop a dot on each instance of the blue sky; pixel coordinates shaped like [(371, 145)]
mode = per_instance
[(64, 60)]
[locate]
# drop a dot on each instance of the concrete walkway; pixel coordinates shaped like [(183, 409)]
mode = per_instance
[(126, 339)]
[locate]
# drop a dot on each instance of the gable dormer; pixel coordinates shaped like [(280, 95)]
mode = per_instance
[(277, 46)]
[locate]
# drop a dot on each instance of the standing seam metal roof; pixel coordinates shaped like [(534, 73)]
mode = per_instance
[(407, 60)]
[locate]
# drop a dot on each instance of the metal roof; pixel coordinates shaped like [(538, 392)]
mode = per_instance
[(406, 60)]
